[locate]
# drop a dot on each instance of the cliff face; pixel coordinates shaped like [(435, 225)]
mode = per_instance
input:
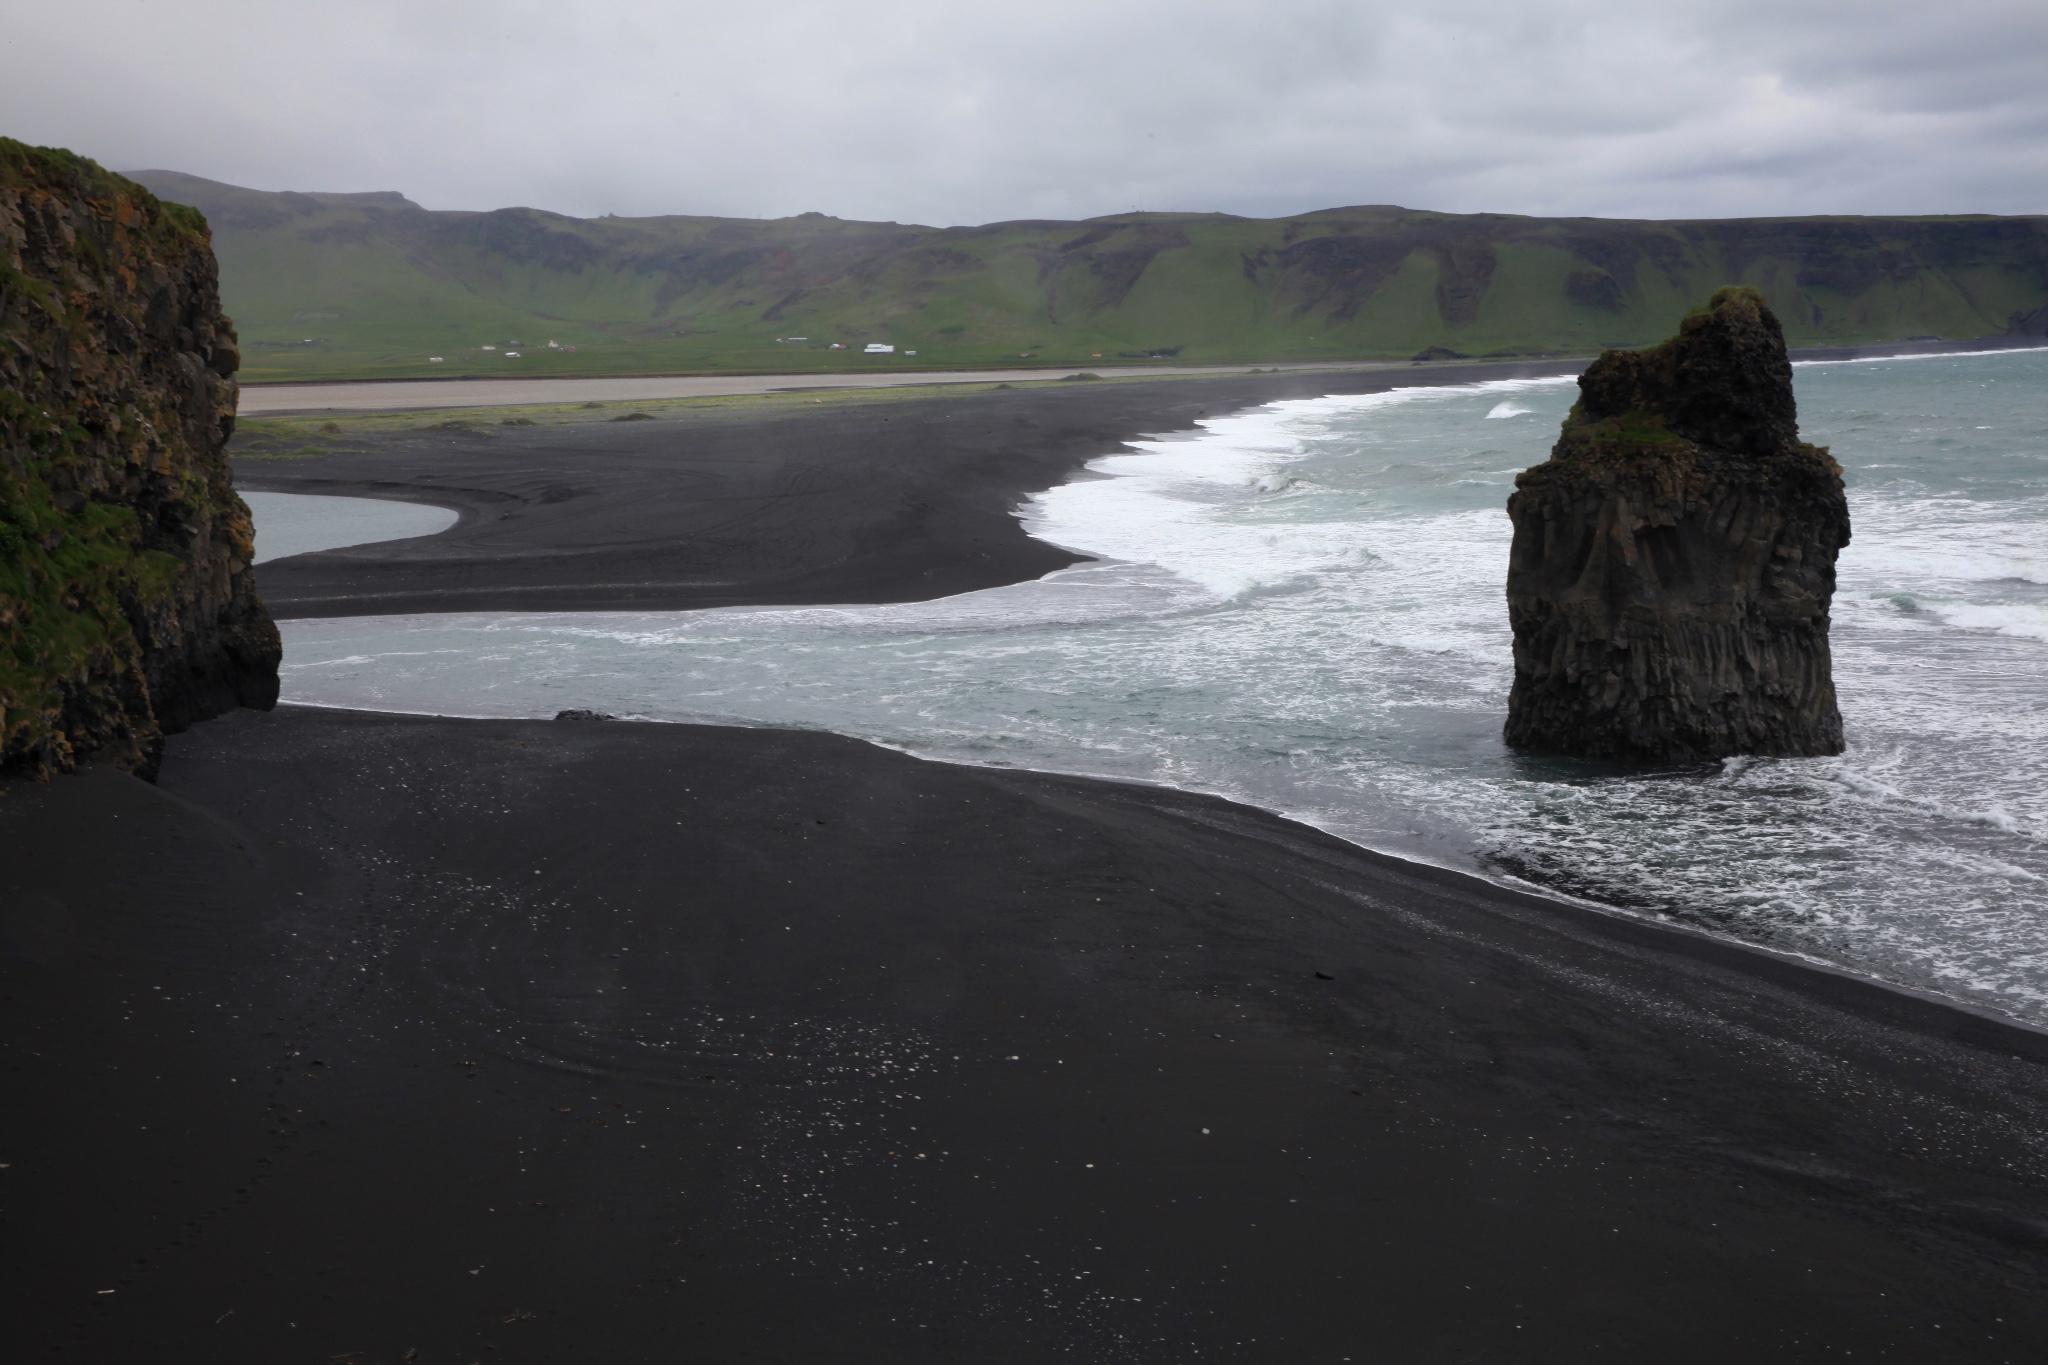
[(127, 604), (1674, 559)]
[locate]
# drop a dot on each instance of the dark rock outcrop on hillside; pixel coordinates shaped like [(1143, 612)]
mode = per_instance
[(1674, 560), (127, 606)]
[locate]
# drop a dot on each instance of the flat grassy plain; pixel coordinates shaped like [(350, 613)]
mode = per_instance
[(361, 286)]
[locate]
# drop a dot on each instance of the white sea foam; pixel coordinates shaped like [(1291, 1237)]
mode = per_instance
[(1899, 536), (1965, 357), (2028, 622)]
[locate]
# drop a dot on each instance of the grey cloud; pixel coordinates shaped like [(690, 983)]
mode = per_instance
[(938, 112)]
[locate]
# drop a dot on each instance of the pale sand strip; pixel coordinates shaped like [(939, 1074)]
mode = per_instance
[(413, 395), (403, 395)]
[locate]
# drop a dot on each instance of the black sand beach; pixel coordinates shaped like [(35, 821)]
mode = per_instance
[(361, 1036), (895, 500)]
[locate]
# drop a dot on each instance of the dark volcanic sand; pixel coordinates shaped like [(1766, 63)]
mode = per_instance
[(507, 1041), (696, 1043), (896, 498)]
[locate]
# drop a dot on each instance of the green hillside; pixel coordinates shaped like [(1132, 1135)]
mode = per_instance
[(369, 285)]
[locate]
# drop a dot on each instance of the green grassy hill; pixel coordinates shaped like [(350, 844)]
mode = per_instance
[(329, 286)]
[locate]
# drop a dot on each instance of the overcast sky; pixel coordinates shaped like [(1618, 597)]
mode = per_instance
[(952, 111)]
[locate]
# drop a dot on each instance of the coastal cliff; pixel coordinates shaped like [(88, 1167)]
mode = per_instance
[(128, 608), (1674, 560)]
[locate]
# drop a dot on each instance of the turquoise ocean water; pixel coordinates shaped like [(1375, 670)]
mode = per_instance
[(1300, 607)]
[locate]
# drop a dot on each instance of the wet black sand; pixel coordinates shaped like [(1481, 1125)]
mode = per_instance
[(502, 1041)]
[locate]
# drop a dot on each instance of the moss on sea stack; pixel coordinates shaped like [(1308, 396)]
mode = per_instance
[(1674, 560), (128, 607)]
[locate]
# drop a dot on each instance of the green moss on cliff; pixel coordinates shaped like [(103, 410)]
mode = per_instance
[(67, 582), (1635, 438), (1723, 382), (1728, 294), (142, 217), (126, 603)]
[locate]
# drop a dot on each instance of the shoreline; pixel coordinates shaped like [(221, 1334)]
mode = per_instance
[(1758, 956), (1782, 963), (897, 498), (1214, 405), (366, 1034)]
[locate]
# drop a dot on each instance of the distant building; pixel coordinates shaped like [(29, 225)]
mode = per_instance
[(836, 346), (433, 360), (490, 348), (511, 355), (910, 353), (879, 348)]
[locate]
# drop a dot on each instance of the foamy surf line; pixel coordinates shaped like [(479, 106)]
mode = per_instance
[(1924, 355)]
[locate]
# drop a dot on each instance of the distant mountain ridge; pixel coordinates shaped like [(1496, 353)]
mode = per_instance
[(359, 285)]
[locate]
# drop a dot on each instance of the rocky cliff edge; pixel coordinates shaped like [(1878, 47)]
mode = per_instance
[(128, 607)]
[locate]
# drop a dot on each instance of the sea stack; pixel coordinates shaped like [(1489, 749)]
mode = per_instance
[(1674, 559), (128, 607)]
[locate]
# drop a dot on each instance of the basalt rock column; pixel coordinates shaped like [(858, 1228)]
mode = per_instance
[(127, 605), (1674, 559)]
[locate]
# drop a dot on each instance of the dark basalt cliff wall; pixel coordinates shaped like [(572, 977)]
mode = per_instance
[(127, 605), (1674, 559)]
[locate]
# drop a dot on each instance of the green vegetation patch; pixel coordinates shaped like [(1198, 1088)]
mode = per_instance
[(85, 423), (330, 286), (1636, 441)]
